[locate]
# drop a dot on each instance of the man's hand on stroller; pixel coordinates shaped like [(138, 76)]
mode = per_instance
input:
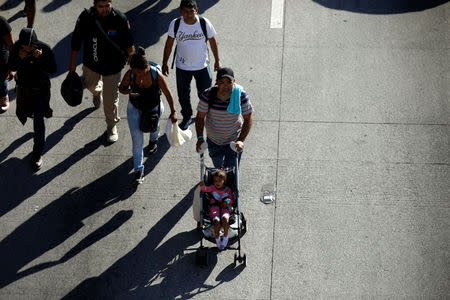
[(201, 183), (239, 146), (199, 146)]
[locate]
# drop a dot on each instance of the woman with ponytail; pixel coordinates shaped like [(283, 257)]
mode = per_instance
[(144, 83)]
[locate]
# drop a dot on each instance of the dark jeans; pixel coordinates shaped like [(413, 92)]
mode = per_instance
[(3, 81), (203, 80), (40, 104), (222, 155)]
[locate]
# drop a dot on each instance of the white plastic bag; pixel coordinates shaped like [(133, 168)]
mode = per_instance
[(175, 135)]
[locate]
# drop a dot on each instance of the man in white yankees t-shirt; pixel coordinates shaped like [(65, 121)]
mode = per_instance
[(191, 32)]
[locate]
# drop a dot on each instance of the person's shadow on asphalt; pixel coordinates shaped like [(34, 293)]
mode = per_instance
[(9, 4), (17, 180), (154, 271), (148, 24), (63, 217), (54, 5)]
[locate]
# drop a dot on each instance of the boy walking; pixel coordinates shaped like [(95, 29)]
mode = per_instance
[(192, 34)]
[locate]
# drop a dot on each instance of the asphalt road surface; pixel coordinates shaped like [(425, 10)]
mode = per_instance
[(351, 129)]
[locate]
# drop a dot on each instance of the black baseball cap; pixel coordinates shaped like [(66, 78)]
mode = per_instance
[(225, 72)]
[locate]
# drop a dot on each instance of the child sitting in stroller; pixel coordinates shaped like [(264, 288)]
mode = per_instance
[(220, 205)]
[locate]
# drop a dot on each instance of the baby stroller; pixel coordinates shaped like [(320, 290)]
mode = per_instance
[(205, 226)]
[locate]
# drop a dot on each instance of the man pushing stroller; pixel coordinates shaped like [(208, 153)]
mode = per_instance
[(228, 113)]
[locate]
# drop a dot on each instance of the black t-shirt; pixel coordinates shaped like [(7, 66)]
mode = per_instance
[(5, 29), (99, 54)]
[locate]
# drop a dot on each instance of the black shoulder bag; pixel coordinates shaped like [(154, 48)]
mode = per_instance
[(105, 35)]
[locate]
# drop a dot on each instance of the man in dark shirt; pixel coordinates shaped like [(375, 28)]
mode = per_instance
[(34, 62), (6, 43), (108, 43)]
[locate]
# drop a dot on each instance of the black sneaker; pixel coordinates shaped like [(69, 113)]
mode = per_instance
[(185, 123), (138, 178), (36, 162), (152, 147)]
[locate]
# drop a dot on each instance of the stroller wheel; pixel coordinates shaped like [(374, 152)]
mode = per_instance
[(241, 259)]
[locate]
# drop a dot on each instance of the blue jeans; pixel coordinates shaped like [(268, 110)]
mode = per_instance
[(203, 80), (137, 136), (222, 155)]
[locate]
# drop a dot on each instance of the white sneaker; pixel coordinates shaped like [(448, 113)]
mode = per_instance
[(99, 86), (4, 103), (112, 134)]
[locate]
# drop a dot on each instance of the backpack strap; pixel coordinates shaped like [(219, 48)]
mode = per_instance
[(154, 72), (104, 34), (176, 26), (203, 25), (175, 31)]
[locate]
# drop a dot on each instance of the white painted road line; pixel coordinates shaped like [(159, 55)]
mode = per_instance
[(276, 18)]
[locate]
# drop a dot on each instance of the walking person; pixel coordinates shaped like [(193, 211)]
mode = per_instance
[(143, 83), (192, 34), (108, 43), (34, 61), (228, 112), (6, 44)]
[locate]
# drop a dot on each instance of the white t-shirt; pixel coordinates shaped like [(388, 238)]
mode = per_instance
[(191, 46)]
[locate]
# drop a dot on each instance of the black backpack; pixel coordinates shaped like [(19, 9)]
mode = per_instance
[(175, 31)]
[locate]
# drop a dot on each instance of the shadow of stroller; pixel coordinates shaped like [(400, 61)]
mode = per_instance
[(381, 6), (151, 270)]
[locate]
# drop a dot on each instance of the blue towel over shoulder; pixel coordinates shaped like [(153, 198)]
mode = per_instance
[(235, 100)]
